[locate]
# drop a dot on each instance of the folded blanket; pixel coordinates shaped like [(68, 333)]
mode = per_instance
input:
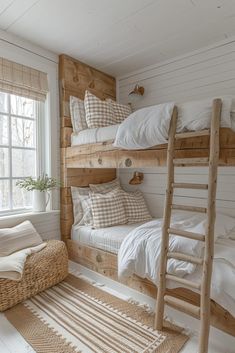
[(12, 266)]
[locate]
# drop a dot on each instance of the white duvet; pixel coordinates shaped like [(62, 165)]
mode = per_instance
[(140, 254), (148, 127)]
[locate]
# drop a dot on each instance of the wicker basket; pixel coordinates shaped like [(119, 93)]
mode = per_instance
[(42, 270)]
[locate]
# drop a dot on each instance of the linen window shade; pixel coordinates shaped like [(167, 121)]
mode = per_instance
[(22, 80)]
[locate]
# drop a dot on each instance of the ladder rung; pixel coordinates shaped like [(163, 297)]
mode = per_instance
[(184, 233), (190, 186), (184, 135), (185, 257), (183, 281), (182, 306), (189, 208), (191, 161)]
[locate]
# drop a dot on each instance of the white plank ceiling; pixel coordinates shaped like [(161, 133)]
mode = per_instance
[(119, 36)]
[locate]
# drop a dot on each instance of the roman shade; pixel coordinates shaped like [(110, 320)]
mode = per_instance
[(22, 80)]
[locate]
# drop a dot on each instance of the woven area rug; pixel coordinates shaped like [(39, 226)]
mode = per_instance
[(75, 316)]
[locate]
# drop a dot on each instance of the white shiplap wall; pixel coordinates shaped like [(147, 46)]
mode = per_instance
[(205, 73)]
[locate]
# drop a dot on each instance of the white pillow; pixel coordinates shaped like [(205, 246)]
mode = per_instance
[(196, 115), (78, 115), (82, 213), (145, 128), (22, 236), (108, 209), (223, 225)]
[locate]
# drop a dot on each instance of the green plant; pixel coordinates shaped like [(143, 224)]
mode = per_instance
[(42, 183)]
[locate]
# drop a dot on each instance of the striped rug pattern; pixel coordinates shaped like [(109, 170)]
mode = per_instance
[(89, 323)]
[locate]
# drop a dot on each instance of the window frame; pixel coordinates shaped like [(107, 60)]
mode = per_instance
[(39, 150)]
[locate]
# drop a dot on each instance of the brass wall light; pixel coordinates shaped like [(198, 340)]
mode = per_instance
[(137, 91), (137, 178)]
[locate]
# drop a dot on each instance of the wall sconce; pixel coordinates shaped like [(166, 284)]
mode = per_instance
[(137, 91), (137, 178)]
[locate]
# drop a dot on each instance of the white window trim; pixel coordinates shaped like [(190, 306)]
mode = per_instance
[(39, 148), (23, 52)]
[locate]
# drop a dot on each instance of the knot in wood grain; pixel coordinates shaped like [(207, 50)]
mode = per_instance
[(98, 258), (100, 160), (128, 162)]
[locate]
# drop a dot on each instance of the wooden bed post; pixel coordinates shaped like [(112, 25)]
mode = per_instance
[(74, 79)]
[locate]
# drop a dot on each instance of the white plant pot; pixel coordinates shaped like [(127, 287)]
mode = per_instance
[(40, 200)]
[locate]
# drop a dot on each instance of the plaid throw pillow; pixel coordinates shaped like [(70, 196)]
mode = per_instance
[(98, 113), (82, 213), (78, 115), (108, 209), (135, 207), (105, 187), (121, 111)]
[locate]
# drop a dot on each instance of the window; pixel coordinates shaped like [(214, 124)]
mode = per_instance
[(20, 145)]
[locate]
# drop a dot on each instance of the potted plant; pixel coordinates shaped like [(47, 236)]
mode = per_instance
[(40, 187)]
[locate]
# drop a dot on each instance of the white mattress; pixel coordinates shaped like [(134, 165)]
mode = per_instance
[(100, 134), (107, 239)]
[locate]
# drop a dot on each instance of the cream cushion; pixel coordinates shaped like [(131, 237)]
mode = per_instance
[(98, 113), (78, 115), (121, 111), (135, 207), (105, 187), (82, 213), (20, 237), (108, 209)]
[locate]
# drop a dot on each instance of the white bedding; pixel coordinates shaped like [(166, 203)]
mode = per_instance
[(140, 254), (149, 126), (107, 239), (100, 134)]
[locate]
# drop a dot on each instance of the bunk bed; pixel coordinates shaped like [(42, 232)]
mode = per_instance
[(97, 163)]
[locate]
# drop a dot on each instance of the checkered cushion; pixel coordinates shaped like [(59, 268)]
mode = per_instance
[(135, 207), (105, 187), (121, 111), (81, 206), (78, 115), (108, 209), (98, 113)]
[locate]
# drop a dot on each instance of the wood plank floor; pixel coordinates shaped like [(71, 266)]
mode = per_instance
[(12, 342)]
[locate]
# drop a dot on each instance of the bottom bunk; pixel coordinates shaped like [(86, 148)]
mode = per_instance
[(97, 250)]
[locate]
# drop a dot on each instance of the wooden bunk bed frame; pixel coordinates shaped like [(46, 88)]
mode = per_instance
[(97, 163)]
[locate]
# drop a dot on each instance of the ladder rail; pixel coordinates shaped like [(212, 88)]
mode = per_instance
[(207, 261), (166, 223), (209, 239)]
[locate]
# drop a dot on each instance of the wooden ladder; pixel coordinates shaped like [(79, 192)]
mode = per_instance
[(202, 312)]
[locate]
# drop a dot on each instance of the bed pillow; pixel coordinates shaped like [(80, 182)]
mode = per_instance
[(98, 113), (105, 187), (22, 236), (196, 115), (145, 127), (82, 213), (135, 207), (78, 115), (121, 111), (108, 209), (223, 225)]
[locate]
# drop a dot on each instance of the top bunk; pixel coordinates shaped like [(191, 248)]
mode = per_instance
[(189, 145), (75, 79)]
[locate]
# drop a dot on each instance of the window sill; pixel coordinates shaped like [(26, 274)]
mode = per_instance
[(4, 219)]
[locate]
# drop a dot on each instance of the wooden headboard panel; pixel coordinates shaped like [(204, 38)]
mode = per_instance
[(75, 78)]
